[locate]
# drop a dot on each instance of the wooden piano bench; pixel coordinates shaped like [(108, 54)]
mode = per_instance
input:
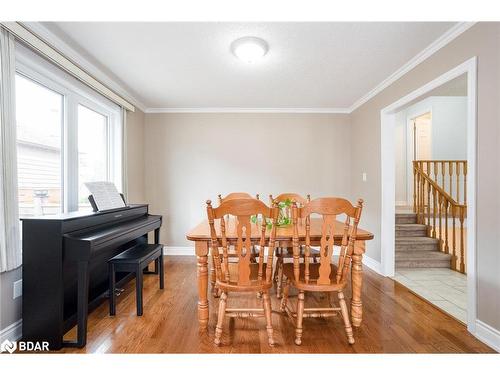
[(135, 260)]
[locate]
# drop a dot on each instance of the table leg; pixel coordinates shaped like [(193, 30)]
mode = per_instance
[(357, 283), (201, 248)]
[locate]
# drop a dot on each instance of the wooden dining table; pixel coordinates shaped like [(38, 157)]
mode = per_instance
[(201, 237)]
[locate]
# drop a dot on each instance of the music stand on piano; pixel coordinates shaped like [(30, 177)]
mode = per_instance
[(94, 206)]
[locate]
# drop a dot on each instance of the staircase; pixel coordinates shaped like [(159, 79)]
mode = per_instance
[(440, 207), (413, 248)]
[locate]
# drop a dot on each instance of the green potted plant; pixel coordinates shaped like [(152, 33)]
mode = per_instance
[(284, 217)]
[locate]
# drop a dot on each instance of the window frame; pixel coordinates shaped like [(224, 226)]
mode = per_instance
[(42, 72)]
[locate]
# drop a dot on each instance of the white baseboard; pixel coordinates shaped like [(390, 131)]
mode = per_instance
[(372, 264), (487, 334), (179, 250), (12, 332)]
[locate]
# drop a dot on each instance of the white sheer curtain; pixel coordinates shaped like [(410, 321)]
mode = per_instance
[(124, 154), (10, 238)]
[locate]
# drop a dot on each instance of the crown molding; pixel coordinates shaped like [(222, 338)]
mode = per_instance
[(69, 52), (427, 52), (246, 110)]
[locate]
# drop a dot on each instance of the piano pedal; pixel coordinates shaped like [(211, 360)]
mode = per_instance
[(118, 291)]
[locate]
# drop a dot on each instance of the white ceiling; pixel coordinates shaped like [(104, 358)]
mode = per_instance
[(189, 65)]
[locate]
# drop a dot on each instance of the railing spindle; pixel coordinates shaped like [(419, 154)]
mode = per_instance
[(442, 175), (435, 170), (462, 240), (434, 212), (428, 208), (453, 240), (414, 186), (422, 207), (416, 192), (458, 181), (421, 211), (450, 173), (440, 223), (446, 248), (465, 183)]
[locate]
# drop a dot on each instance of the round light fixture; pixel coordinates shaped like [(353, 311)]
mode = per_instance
[(249, 48)]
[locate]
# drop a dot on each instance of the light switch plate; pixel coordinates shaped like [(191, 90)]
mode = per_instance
[(18, 289), (364, 176)]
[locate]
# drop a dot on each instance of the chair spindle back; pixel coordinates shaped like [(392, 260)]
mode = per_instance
[(242, 209), (294, 197), (328, 208)]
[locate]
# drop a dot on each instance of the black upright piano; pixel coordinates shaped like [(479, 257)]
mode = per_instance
[(65, 271)]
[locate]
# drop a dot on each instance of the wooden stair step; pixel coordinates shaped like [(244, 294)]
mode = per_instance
[(411, 230), (406, 218), (419, 259), (416, 243)]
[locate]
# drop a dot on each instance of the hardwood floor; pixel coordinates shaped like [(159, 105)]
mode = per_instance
[(395, 321)]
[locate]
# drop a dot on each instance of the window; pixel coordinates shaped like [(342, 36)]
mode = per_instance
[(39, 115), (67, 135), (92, 151)]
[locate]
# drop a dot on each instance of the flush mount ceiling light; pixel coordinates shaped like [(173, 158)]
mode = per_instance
[(249, 48)]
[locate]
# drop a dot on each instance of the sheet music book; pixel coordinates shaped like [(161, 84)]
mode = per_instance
[(105, 194)]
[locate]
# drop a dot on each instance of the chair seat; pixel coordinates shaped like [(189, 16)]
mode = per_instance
[(312, 284), (255, 285)]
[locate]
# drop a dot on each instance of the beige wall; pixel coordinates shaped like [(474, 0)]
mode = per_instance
[(483, 41), (192, 157), (135, 156), (10, 309)]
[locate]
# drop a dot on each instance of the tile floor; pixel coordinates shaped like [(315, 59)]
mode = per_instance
[(442, 287)]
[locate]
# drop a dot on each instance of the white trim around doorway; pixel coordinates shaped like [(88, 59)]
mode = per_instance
[(388, 122)]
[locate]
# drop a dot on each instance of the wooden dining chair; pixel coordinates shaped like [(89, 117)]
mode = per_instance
[(235, 195), (324, 276), (283, 253), (242, 276)]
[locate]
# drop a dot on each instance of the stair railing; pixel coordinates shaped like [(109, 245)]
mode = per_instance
[(450, 175), (438, 210)]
